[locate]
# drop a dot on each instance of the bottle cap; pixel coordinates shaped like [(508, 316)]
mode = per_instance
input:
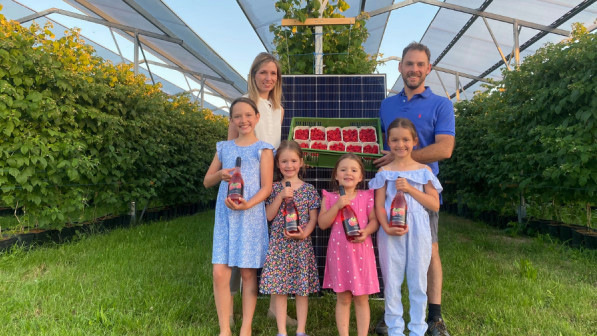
[(341, 190), (288, 183), (238, 161)]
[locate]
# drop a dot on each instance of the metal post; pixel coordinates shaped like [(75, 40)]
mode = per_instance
[(133, 213), (136, 60), (442, 83), (457, 87), (202, 91), (496, 43), (516, 43)]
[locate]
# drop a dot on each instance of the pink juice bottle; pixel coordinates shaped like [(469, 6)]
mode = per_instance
[(398, 211), (236, 185), (349, 219), (291, 216)]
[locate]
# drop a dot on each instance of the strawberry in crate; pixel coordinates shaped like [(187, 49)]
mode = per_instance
[(317, 133), (303, 143), (367, 134), (371, 148), (350, 134), (333, 133), (319, 145), (354, 147), (336, 146), (301, 133)]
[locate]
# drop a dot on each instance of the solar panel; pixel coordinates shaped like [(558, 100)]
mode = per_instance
[(331, 96)]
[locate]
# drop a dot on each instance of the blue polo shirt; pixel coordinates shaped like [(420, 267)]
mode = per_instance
[(431, 114)]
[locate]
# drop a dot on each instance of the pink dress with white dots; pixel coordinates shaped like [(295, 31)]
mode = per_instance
[(351, 266)]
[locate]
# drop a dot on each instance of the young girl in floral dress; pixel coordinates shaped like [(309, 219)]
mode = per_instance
[(290, 262)]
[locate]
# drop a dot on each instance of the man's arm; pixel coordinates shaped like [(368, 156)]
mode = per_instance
[(440, 150)]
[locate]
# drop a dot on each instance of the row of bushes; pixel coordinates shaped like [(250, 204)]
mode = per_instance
[(79, 131), (532, 135)]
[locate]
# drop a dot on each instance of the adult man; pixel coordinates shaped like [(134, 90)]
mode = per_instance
[(433, 117)]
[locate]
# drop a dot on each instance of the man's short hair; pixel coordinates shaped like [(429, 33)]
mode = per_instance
[(417, 46)]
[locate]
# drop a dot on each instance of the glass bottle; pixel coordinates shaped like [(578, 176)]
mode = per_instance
[(291, 216), (398, 210), (349, 219), (236, 185)]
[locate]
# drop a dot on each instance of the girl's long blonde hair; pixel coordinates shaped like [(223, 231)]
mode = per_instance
[(275, 95)]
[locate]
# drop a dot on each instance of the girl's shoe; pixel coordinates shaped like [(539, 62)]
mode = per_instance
[(301, 334)]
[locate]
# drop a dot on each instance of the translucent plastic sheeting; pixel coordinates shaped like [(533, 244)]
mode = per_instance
[(13, 10), (262, 13), (192, 55), (475, 53)]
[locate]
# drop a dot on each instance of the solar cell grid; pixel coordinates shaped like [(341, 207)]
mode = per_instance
[(331, 96)]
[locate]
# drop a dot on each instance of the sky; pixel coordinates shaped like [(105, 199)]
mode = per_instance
[(223, 26)]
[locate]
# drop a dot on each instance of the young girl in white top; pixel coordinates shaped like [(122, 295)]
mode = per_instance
[(405, 250)]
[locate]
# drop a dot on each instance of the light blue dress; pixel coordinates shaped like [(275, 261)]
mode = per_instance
[(408, 255), (240, 237)]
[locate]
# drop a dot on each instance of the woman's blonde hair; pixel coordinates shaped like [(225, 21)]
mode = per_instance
[(275, 95)]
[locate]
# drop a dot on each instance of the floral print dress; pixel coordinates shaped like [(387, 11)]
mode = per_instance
[(290, 264)]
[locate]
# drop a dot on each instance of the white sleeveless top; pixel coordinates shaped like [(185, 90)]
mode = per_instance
[(269, 127)]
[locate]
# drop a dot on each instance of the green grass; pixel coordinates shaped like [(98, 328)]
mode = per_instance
[(155, 279)]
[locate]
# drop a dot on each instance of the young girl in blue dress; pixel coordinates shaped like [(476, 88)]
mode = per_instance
[(240, 232), (290, 262), (405, 251)]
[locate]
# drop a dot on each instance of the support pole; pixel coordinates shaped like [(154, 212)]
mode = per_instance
[(496, 43), (457, 77), (136, 58), (319, 42), (516, 43)]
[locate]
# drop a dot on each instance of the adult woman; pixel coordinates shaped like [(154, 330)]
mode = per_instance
[(265, 89)]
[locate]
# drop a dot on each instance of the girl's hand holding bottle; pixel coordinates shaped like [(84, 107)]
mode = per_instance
[(403, 185), (287, 192), (343, 201), (232, 205), (300, 235)]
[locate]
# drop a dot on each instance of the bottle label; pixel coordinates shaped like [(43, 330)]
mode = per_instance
[(397, 217), (351, 226), (235, 188)]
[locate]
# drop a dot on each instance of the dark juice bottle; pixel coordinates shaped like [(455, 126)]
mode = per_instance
[(291, 216), (398, 210), (236, 185), (349, 219)]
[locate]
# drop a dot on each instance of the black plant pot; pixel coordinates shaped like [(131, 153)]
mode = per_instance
[(565, 233), (554, 230)]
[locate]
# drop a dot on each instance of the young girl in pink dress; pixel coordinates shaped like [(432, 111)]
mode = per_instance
[(350, 268)]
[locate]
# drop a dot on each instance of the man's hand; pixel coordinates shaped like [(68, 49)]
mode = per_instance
[(384, 160)]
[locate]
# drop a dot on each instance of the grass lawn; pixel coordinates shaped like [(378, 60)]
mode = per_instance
[(155, 279)]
